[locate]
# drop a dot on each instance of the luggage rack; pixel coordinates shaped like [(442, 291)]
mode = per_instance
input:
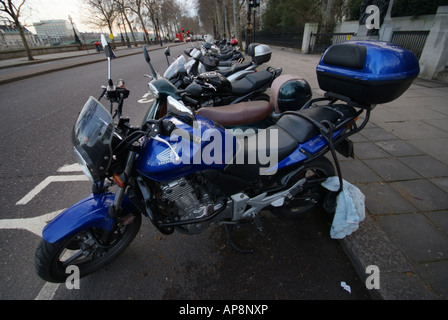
[(327, 129), (350, 102)]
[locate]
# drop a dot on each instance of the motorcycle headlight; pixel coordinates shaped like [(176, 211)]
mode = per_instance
[(84, 165), (153, 90)]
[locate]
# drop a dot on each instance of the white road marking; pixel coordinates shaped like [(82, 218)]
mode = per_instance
[(48, 291), (34, 225), (46, 182), (70, 168), (147, 98)]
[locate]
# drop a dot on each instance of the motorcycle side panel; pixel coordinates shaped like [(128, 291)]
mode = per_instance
[(92, 212), (213, 147), (303, 152)]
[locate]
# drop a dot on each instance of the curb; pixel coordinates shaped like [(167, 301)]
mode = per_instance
[(370, 245)]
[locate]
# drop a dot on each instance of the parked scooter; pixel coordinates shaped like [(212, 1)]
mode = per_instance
[(184, 172), (223, 54), (211, 89), (201, 63)]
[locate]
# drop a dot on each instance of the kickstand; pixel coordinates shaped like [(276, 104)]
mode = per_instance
[(230, 242)]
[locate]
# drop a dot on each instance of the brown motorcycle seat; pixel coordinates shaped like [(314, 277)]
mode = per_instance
[(237, 114)]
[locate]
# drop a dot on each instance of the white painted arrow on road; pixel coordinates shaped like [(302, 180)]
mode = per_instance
[(34, 225), (66, 178)]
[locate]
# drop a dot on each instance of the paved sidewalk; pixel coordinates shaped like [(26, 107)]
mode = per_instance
[(401, 166)]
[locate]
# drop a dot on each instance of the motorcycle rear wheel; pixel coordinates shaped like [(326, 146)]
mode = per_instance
[(315, 172), (83, 250)]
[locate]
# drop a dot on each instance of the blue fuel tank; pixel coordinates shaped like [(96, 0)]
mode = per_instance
[(209, 146)]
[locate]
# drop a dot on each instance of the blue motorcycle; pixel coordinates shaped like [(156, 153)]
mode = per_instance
[(185, 172)]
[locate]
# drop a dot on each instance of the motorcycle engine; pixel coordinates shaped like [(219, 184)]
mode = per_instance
[(189, 202)]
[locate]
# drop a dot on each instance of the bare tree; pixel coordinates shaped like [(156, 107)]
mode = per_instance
[(104, 12), (123, 6), (170, 16), (206, 13), (136, 6), (153, 12), (13, 10), (211, 15), (238, 7)]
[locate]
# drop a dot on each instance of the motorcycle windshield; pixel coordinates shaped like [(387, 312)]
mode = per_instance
[(174, 68), (92, 138)]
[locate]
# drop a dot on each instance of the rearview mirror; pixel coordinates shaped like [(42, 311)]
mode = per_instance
[(148, 60), (167, 54), (107, 49), (103, 41)]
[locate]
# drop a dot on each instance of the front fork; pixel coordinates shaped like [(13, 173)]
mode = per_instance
[(121, 181)]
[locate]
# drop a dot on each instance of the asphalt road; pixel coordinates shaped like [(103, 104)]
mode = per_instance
[(291, 260)]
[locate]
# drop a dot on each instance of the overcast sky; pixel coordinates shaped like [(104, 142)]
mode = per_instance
[(36, 10)]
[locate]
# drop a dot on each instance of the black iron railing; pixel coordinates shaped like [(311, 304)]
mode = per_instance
[(411, 40), (285, 37), (321, 41)]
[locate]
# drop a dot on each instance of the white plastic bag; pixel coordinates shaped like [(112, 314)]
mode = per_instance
[(350, 208)]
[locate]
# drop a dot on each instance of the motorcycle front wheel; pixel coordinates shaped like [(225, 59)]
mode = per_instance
[(84, 250)]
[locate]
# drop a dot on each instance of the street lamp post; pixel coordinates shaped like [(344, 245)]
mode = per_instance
[(248, 27), (80, 45)]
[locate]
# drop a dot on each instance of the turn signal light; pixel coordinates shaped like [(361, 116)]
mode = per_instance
[(118, 180)]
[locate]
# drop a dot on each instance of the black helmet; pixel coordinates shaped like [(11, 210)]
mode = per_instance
[(290, 93)]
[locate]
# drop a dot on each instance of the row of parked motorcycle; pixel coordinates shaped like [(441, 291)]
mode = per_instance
[(216, 74), (181, 167)]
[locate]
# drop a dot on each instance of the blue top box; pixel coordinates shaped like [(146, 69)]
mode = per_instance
[(367, 72)]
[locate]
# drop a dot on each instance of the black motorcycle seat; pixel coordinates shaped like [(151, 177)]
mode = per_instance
[(234, 68), (227, 49), (251, 82), (292, 130), (303, 130), (226, 56), (210, 63), (226, 64), (248, 169)]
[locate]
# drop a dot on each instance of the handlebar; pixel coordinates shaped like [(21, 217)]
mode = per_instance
[(165, 127), (115, 94)]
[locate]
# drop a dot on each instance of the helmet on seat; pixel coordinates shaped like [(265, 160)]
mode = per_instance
[(289, 92)]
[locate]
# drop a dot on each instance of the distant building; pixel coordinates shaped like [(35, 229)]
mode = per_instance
[(54, 31), (10, 36)]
